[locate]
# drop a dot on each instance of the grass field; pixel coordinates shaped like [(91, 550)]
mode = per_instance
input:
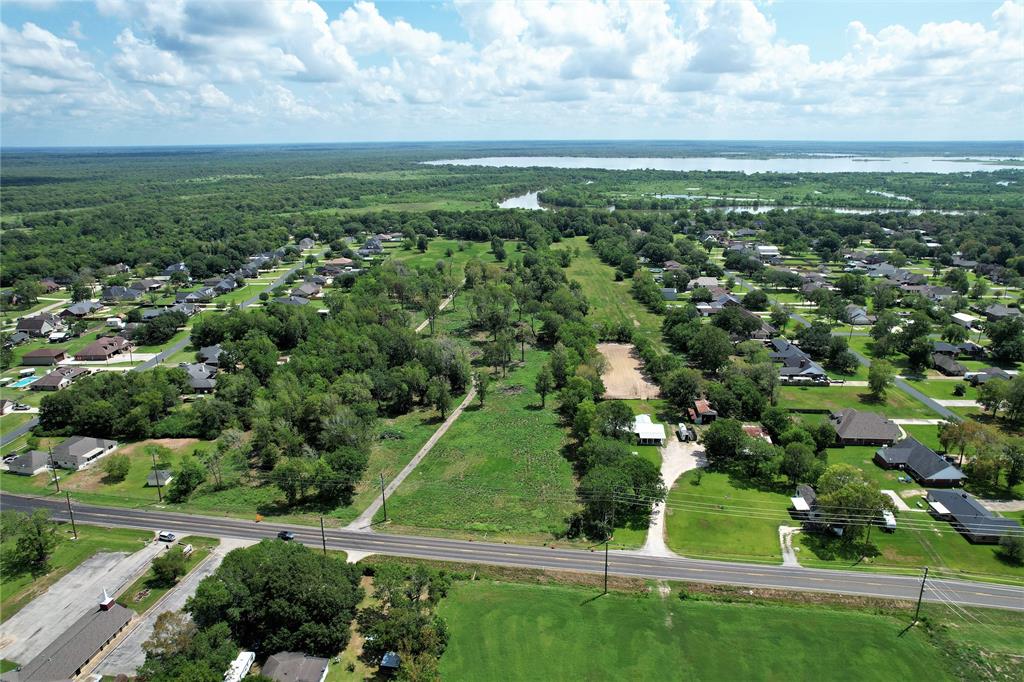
[(437, 250), (503, 631), (896, 404), (143, 593), (943, 389), (711, 519), (498, 472), (18, 590), (610, 301)]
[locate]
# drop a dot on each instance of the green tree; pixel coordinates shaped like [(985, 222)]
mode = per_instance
[(584, 420), (35, 539), (545, 383), (614, 419), (779, 317), (682, 387), (992, 394), (723, 441), (482, 380), (280, 596), (440, 396), (27, 291), (116, 467), (189, 475), (880, 376), (168, 567), (710, 348), (954, 333), (799, 463), (848, 499), (1012, 548)]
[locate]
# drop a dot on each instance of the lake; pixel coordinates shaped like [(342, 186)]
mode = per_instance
[(528, 201), (816, 164)]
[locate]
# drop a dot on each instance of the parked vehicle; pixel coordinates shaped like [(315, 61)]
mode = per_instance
[(166, 536), (286, 535)]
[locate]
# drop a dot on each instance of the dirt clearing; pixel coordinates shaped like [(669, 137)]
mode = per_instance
[(624, 378)]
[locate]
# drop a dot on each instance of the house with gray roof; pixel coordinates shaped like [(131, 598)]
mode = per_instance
[(927, 467), (947, 365), (29, 463), (291, 300), (854, 427), (67, 655), (39, 325), (970, 517), (59, 379), (988, 374), (201, 376), (998, 311), (288, 666), (81, 309), (210, 354), (78, 452), (120, 293)]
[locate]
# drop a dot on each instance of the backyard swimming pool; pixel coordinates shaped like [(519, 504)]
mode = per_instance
[(22, 383)]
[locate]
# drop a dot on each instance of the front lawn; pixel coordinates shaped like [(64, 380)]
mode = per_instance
[(144, 592), (897, 404)]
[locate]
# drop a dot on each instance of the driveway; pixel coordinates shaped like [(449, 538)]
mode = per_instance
[(128, 655), (33, 628), (676, 459)]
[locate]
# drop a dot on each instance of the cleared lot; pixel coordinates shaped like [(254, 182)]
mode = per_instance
[(623, 377), (33, 628)]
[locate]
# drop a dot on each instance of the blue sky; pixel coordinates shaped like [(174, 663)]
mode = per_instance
[(234, 71)]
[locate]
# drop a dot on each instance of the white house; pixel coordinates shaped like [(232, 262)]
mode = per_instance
[(647, 432), (964, 320)]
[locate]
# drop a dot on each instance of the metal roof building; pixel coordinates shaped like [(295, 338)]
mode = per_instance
[(75, 647)]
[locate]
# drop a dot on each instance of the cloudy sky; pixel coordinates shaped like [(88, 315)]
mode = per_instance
[(235, 71)]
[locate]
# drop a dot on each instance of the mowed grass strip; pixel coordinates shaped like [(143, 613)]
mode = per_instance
[(503, 631), (17, 590), (499, 470), (610, 301), (897, 404)]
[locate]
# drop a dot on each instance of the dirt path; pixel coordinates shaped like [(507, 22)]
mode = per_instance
[(365, 520), (958, 403), (623, 378), (1003, 505), (444, 304), (786, 534), (676, 459)]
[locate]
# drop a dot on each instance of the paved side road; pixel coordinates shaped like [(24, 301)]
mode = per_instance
[(35, 627), (863, 583), (128, 655)]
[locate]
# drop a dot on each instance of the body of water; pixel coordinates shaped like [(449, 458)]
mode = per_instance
[(528, 201), (817, 164)]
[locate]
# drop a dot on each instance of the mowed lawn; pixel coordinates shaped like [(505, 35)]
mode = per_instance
[(715, 519), (503, 631), (610, 301), (897, 404), (17, 590), (498, 472), (437, 250)]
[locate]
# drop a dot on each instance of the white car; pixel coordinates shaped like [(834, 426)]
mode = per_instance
[(165, 536)]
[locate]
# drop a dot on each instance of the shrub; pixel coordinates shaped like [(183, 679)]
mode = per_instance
[(116, 467)]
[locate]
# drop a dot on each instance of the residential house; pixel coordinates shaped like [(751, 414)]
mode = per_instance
[(945, 348), (802, 370), (201, 376), (340, 262), (705, 282), (717, 304), (103, 349), (768, 252), (81, 309), (66, 656), (48, 285), (804, 505), (78, 452), (307, 290), (29, 463), (39, 325), (970, 517), (746, 232), (295, 667), (961, 262), (224, 286), (119, 293), (854, 427), (927, 467), (972, 350), (291, 300), (210, 355), (59, 379), (669, 293), (998, 311), (672, 265), (306, 243), (203, 295), (986, 375), (16, 339), (858, 315), (701, 412), (964, 320), (756, 431), (947, 365), (647, 432), (146, 285), (42, 357), (390, 662), (175, 268)]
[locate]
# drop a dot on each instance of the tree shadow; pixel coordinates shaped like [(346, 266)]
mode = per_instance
[(830, 548)]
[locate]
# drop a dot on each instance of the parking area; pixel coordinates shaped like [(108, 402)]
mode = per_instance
[(33, 628)]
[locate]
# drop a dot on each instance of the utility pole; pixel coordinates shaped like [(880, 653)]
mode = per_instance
[(53, 470), (606, 565), (383, 500), (323, 537), (156, 474), (920, 595), (74, 529)]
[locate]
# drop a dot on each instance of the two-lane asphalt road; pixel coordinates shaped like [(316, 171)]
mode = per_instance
[(621, 563)]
